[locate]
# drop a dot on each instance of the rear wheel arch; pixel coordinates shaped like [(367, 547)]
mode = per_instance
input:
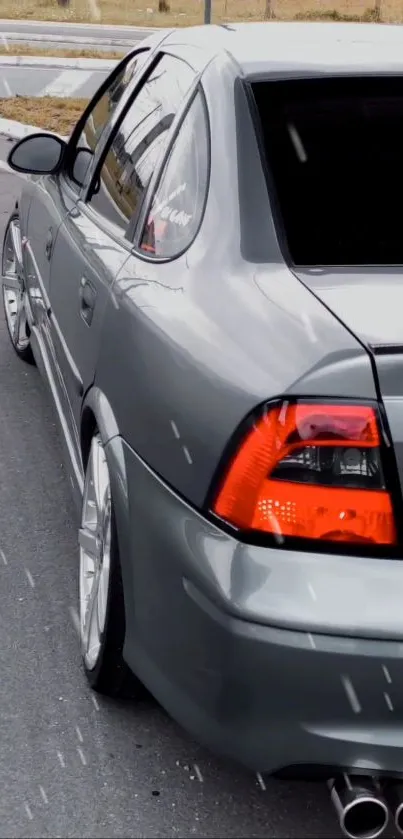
[(96, 414), (97, 417), (87, 431)]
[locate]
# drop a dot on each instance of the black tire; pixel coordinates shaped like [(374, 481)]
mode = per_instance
[(111, 676), (22, 349)]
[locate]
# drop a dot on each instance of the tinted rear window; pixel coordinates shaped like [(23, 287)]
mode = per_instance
[(334, 149)]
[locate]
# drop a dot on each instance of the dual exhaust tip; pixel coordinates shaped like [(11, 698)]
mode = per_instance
[(363, 805)]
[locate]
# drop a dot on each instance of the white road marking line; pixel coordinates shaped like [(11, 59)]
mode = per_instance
[(61, 760), (30, 578), (75, 618), (7, 87), (95, 702), (66, 83), (175, 429), (28, 811), (261, 781), (312, 592), (4, 41), (186, 452), (3, 556), (388, 701), (79, 735), (198, 774), (82, 756), (351, 694), (43, 794), (387, 674)]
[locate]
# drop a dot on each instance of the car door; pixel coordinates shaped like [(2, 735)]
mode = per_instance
[(53, 199), (93, 242)]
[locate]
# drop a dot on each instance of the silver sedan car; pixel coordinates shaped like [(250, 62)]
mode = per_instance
[(208, 272)]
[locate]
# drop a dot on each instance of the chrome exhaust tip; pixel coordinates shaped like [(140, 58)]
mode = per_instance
[(361, 808), (394, 795)]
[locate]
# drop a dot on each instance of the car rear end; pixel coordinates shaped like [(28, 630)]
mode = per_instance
[(272, 621), (322, 477)]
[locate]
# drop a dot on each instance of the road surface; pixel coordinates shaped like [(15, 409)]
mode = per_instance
[(72, 764), (36, 33)]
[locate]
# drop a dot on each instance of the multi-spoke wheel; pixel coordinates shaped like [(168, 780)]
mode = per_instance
[(14, 290), (102, 623)]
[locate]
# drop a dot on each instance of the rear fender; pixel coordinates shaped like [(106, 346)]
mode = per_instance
[(96, 403)]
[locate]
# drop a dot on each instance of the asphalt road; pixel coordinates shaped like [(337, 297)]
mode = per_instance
[(71, 764)]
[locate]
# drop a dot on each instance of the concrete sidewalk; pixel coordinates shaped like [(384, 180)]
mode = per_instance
[(56, 62), (70, 35), (37, 76), (16, 130)]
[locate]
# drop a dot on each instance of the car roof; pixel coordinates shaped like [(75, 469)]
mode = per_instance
[(270, 47)]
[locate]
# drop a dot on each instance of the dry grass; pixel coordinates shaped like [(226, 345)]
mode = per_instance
[(50, 113), (184, 13), (19, 49)]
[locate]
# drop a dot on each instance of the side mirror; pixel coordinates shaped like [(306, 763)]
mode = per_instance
[(37, 154)]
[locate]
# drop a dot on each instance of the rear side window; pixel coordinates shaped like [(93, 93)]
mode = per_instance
[(334, 154), (179, 199)]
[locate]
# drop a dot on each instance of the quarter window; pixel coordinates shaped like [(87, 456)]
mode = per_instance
[(179, 199), (139, 143)]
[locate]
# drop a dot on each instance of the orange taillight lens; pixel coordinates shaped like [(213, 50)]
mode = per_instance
[(312, 471)]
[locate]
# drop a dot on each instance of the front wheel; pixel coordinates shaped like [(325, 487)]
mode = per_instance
[(13, 288), (102, 621)]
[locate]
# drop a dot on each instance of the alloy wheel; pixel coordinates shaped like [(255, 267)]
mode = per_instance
[(13, 287), (95, 553)]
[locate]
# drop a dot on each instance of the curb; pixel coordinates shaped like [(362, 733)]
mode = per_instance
[(17, 130), (22, 38), (61, 24), (52, 62)]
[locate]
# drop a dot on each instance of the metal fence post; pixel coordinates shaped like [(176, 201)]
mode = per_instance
[(207, 11)]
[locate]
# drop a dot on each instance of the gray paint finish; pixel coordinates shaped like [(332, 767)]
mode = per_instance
[(368, 301), (225, 634), (191, 364), (129, 751)]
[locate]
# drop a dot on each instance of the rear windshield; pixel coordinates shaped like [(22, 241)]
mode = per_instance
[(334, 149)]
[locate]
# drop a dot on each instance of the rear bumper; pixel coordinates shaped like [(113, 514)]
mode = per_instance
[(283, 700), (270, 697)]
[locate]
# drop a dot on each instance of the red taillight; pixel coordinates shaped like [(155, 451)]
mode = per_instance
[(312, 471)]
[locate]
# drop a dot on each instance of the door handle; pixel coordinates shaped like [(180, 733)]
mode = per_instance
[(49, 243), (88, 296)]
